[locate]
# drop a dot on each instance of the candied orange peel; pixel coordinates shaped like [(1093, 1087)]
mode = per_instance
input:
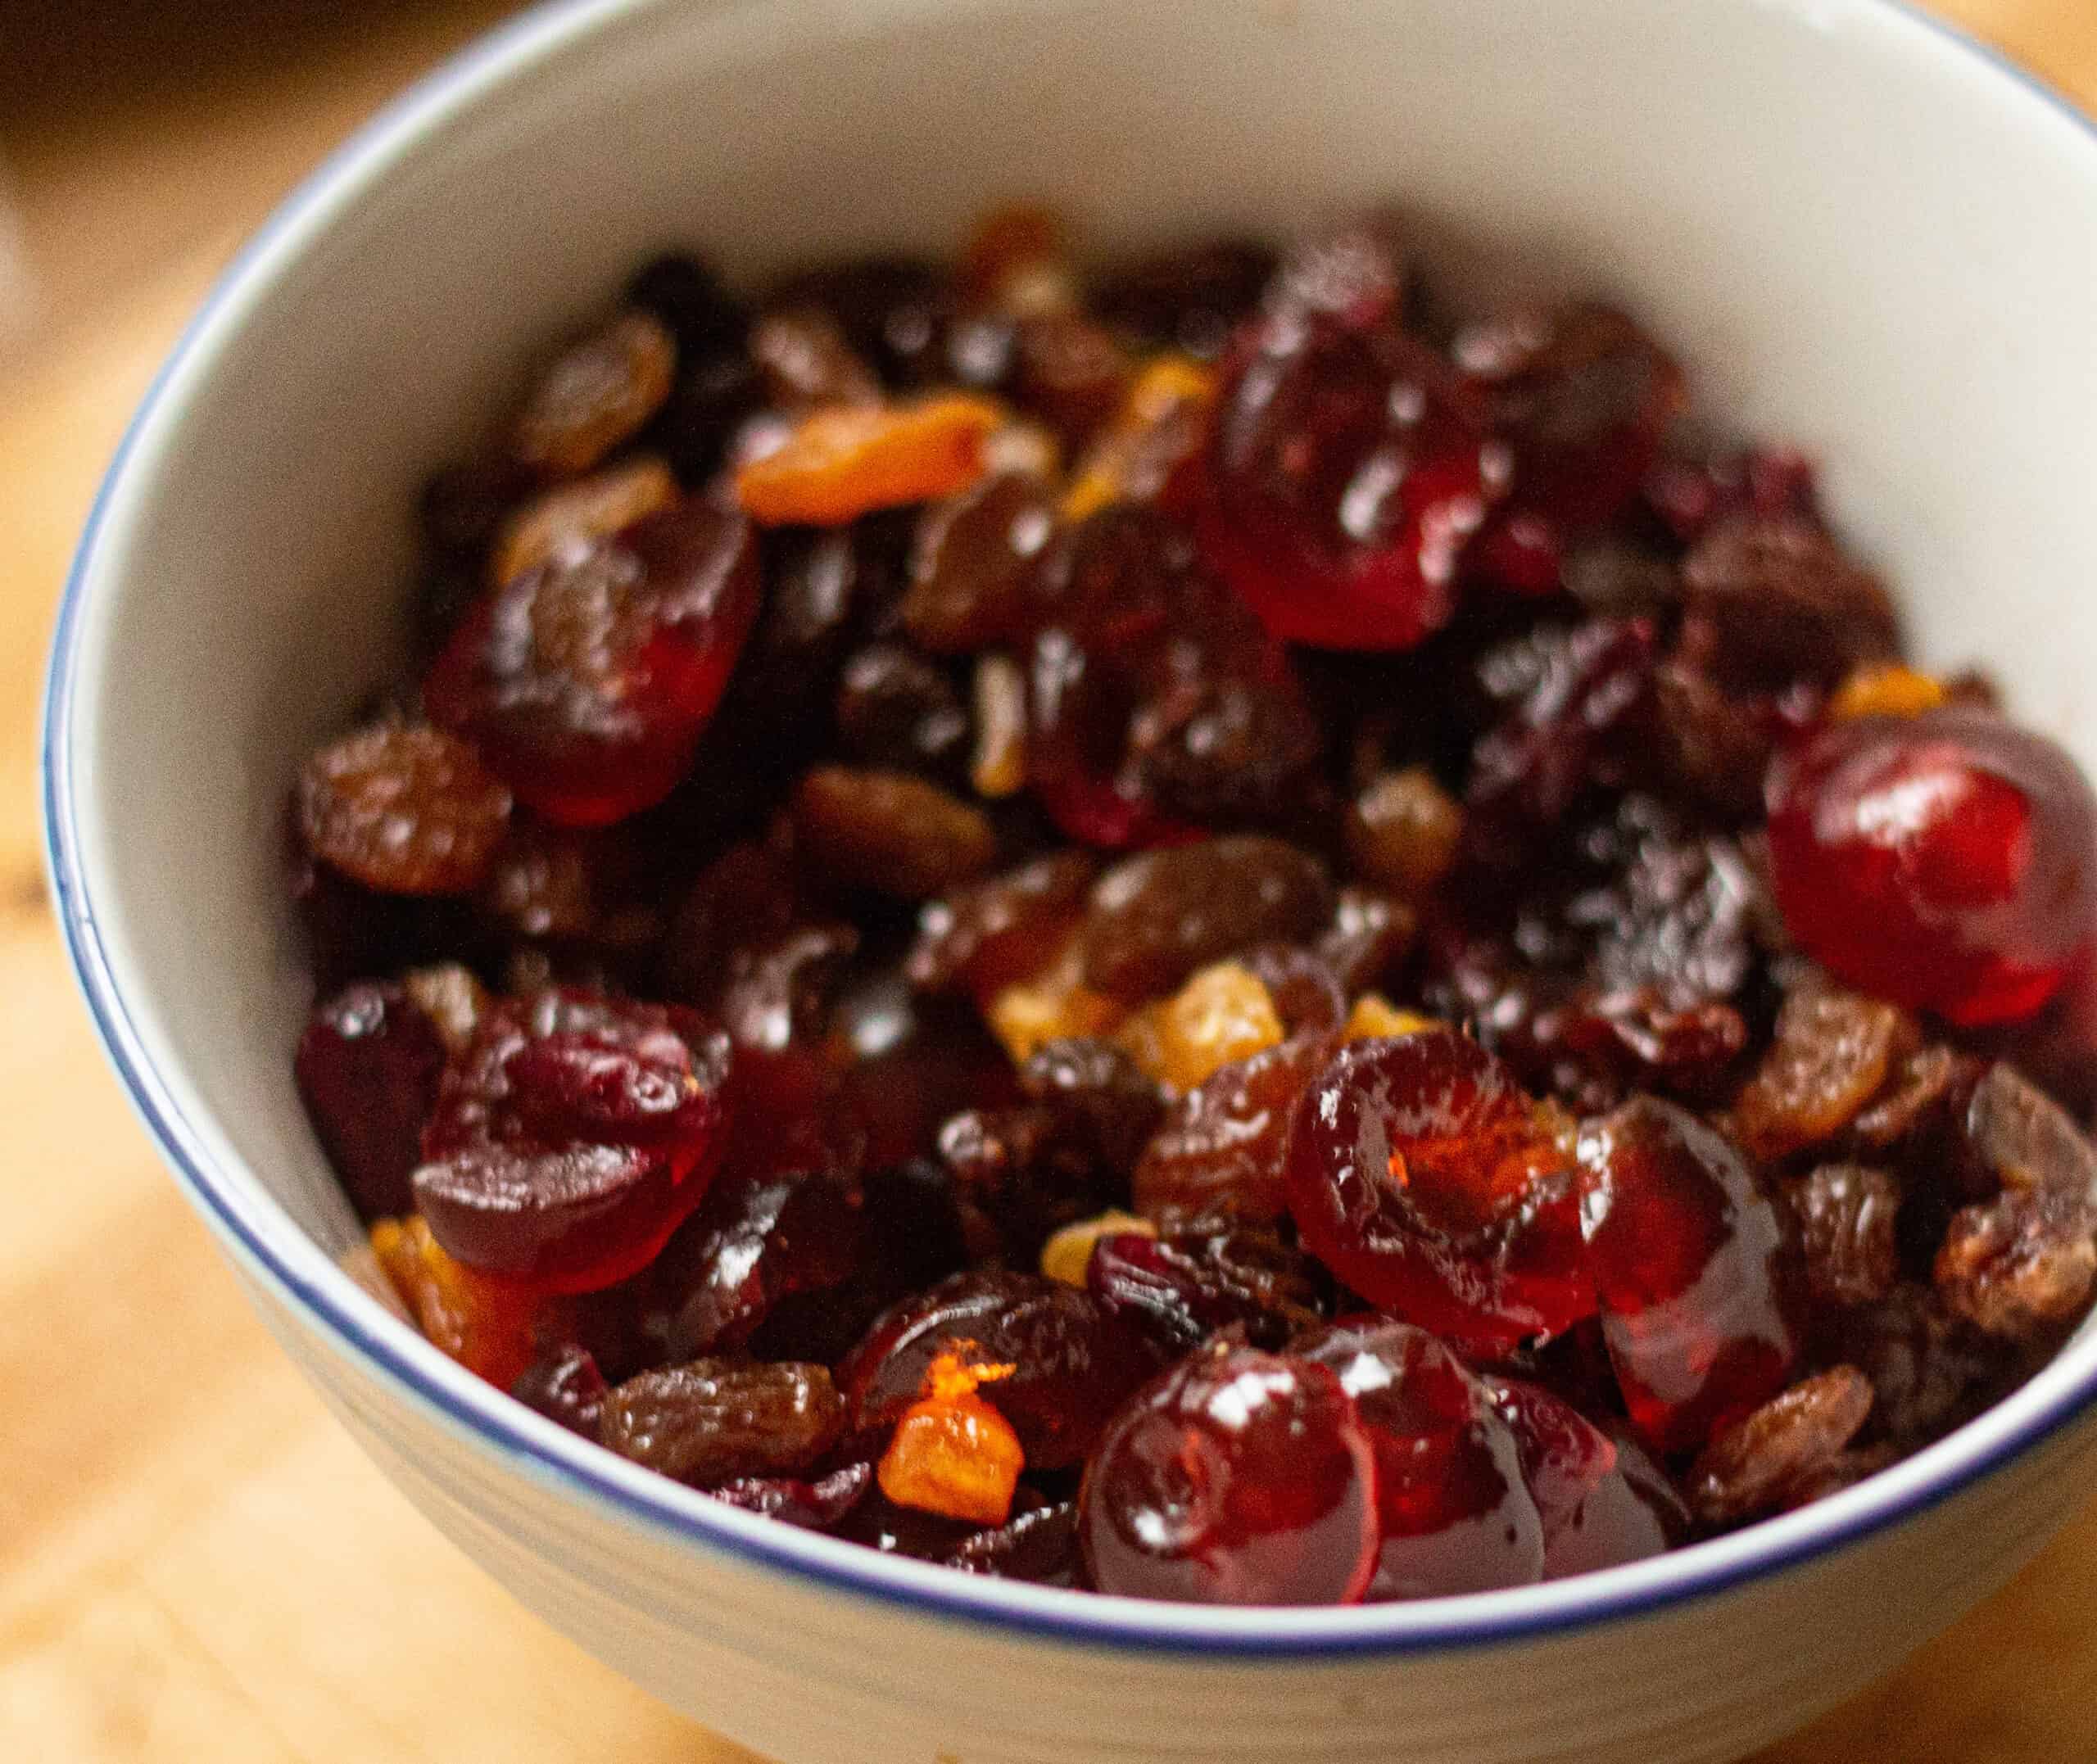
[(1373, 1015), (490, 1327), (842, 461), (1160, 423), (1221, 1013), (953, 1453), (1054, 1004), (1886, 690)]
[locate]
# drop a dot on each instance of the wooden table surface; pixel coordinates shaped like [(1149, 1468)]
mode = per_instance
[(195, 1567)]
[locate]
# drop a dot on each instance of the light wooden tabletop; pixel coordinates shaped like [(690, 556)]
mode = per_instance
[(195, 1567)]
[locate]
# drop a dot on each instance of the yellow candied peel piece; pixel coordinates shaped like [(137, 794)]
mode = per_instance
[(1068, 1253), (1056, 1003), (1170, 389), (1373, 1015), (841, 461), (1221, 1013), (1885, 688), (952, 1453)]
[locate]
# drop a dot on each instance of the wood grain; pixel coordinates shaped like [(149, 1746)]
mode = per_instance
[(196, 1568)]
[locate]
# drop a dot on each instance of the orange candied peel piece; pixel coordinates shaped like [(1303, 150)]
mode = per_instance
[(1158, 428), (490, 1327), (1054, 1004), (842, 461), (1885, 689), (1375, 1015), (953, 1453), (1222, 1013)]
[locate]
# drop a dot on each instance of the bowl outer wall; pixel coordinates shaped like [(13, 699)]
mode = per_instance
[(1893, 287)]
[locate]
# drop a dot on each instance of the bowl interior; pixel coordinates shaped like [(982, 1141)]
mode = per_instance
[(1858, 235)]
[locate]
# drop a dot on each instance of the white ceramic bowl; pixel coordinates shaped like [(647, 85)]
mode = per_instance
[(1862, 232)]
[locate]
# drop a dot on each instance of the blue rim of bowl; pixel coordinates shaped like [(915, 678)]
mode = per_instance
[(489, 1419)]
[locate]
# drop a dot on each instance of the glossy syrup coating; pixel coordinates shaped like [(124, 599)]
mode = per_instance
[(1212, 929), (1947, 862), (1239, 1477), (1423, 1175)]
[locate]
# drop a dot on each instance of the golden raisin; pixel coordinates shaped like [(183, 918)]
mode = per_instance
[(1160, 425), (1017, 262), (1403, 830), (953, 1455), (999, 767), (1068, 1254), (403, 809), (805, 359), (490, 1327), (1885, 689), (1375, 1015), (1223, 1013), (599, 392), (846, 460), (1055, 1005), (595, 507)]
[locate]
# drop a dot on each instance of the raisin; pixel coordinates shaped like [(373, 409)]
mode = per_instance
[(1848, 1215), (1187, 299), (1367, 939), (891, 832), (1403, 831), (1754, 1464), (564, 1386), (989, 935), (971, 565), (598, 391), (1772, 600), (893, 311), (1096, 1086), (803, 354), (1155, 918), (1305, 992), (1832, 1053), (716, 1419), (404, 809), (1069, 370), (896, 710)]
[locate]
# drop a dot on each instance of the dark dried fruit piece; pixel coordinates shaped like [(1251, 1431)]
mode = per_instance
[(1403, 831), (1040, 1545), (1103, 1093), (1453, 1513), (1156, 918), (971, 565), (890, 831), (1833, 1052), (814, 1506), (1772, 601), (1218, 1274), (368, 1068), (564, 1386), (1366, 940), (1947, 860), (896, 710), (1421, 1174), (986, 935), (1189, 299), (1699, 1292), (1236, 1478), (1220, 1145), (1759, 1462), (1073, 1362), (803, 354), (1848, 1218), (403, 809), (716, 1419), (600, 391), (585, 683)]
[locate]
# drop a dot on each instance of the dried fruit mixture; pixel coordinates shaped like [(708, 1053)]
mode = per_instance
[(1189, 929)]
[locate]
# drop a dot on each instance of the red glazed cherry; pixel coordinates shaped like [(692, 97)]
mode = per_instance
[(1347, 470), (1423, 1176), (1236, 1478), (368, 1068), (1453, 1513), (571, 1138), (1947, 860), (585, 683), (1699, 1294)]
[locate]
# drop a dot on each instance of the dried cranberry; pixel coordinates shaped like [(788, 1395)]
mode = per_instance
[(1073, 1362), (1348, 467), (564, 1386), (1947, 860), (368, 1067), (585, 683), (1423, 1176), (571, 1138), (1454, 1514), (814, 1506), (1236, 1478), (1698, 1286), (1751, 1466), (1213, 1275), (1564, 1457), (1220, 1145)]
